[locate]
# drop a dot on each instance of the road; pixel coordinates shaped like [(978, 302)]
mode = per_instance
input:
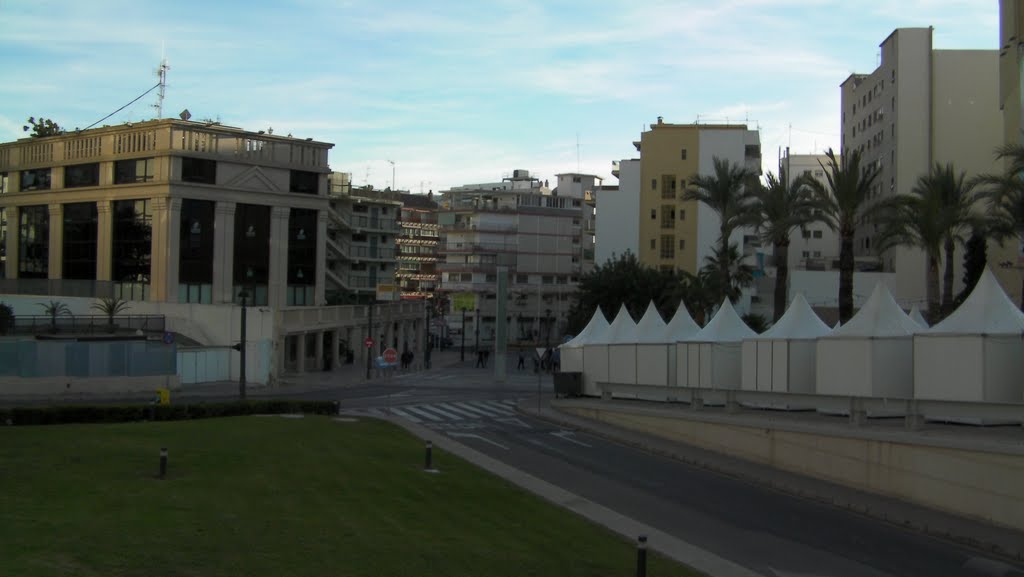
[(771, 533)]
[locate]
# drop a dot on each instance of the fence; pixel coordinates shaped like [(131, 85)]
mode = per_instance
[(64, 358), (86, 324)]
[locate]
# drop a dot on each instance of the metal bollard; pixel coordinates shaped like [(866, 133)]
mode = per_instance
[(641, 556), (163, 462), (429, 463)]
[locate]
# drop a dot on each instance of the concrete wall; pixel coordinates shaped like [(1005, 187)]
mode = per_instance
[(14, 387), (981, 484)]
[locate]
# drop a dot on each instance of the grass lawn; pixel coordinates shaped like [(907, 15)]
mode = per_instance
[(252, 496)]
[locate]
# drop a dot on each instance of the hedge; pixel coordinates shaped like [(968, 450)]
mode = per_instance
[(57, 415)]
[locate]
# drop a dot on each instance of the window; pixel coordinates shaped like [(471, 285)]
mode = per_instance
[(34, 242), (37, 179), (82, 175), (359, 237), (523, 279), (562, 280), (304, 182), (817, 234), (654, 214), (682, 154), (807, 234), (805, 254), (4, 183), (682, 214), (199, 170), (668, 216), (547, 279), (131, 171), (654, 244), (654, 184), (682, 244), (817, 254), (577, 179), (80, 233), (668, 246), (668, 186)]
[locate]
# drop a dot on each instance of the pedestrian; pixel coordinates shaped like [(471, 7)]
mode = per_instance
[(487, 356), (412, 356), (522, 360), (479, 360)]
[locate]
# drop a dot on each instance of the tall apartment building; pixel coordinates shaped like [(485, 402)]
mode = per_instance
[(418, 240), (816, 247), (361, 242), (166, 211), (521, 225), (618, 213), (675, 233), (1007, 260), (920, 107)]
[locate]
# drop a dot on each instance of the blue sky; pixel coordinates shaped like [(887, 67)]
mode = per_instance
[(460, 92)]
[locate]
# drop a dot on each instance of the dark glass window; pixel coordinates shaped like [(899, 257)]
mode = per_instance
[(38, 179), (133, 241), (80, 229), (252, 251), (196, 242), (34, 242), (82, 175), (132, 171), (3, 242), (304, 182), (199, 170), (4, 183), (302, 246)]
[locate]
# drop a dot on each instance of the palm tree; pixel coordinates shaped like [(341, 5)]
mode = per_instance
[(53, 309), (725, 192), (110, 307), (778, 209), (739, 275), (843, 203), (1006, 193), (699, 296)]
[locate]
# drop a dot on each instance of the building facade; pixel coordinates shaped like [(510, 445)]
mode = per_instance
[(417, 274), (815, 247), (920, 107), (618, 214), (1007, 259)]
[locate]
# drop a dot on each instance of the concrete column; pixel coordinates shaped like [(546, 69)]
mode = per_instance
[(319, 289), (318, 351), (223, 251), (13, 238), (335, 352), (300, 352), (173, 254), (277, 291), (56, 241), (158, 251), (104, 241)]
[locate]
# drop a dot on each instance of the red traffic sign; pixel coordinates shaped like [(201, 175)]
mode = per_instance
[(368, 342), (390, 356)]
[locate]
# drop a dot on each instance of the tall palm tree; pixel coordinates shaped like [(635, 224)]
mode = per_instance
[(740, 275), (844, 204), (778, 209), (1005, 193), (726, 192)]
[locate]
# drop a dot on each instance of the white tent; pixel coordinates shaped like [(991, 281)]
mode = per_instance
[(976, 353), (656, 355), (915, 313), (783, 357), (712, 358), (571, 353), (619, 345), (872, 354)]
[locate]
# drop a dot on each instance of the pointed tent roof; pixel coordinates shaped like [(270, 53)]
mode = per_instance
[(681, 327), (621, 330), (597, 325), (726, 326), (799, 322), (879, 317), (986, 311), (915, 313), (651, 328)]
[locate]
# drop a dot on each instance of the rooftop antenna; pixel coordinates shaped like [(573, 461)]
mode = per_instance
[(161, 73), (366, 180), (393, 187)]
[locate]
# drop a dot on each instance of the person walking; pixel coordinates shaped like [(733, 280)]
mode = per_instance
[(522, 360), (479, 360), (487, 356)]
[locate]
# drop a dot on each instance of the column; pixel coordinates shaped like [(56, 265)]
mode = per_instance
[(318, 351), (56, 241), (277, 292), (300, 352), (223, 251), (158, 251), (319, 294), (13, 238), (173, 248), (104, 241), (335, 352)]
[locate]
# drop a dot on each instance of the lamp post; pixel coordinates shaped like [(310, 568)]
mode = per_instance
[(462, 352), (476, 323), (547, 328), (369, 349), (241, 349)]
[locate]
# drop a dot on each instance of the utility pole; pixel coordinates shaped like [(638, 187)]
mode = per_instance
[(393, 185), (241, 350), (369, 350)]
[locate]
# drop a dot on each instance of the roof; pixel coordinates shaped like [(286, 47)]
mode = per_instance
[(725, 327), (879, 317), (987, 310), (915, 313), (597, 326), (799, 322), (651, 328), (621, 330), (417, 201), (682, 325)]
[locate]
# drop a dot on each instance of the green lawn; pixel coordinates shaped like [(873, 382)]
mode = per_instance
[(251, 496)]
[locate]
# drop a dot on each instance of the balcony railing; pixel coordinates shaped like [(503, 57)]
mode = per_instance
[(87, 324)]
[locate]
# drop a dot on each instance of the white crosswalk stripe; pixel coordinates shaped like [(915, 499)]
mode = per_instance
[(456, 411), (423, 413), (501, 409), (406, 415)]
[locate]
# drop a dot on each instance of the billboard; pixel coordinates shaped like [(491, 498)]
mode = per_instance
[(463, 301)]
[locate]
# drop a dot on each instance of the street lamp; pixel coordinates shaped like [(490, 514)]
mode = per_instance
[(244, 294), (547, 333), (476, 323)]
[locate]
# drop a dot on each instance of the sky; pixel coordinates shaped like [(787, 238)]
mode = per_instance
[(459, 92)]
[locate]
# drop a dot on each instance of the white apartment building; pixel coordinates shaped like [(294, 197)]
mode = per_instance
[(920, 107), (817, 246), (618, 213)]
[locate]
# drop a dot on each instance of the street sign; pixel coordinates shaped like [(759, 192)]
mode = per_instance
[(168, 338), (390, 356), (368, 342)]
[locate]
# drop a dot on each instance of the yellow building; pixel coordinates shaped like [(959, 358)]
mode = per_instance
[(674, 233)]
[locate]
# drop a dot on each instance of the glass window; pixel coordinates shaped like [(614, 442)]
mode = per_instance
[(80, 233), (82, 175), (304, 182), (252, 251), (302, 246), (134, 170), (3, 242), (37, 179), (817, 234), (668, 246), (34, 242), (4, 183), (195, 245), (132, 246), (200, 170)]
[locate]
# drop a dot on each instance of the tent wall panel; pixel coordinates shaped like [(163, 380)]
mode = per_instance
[(622, 364), (844, 367), (727, 361), (764, 365), (670, 377), (652, 364), (780, 369), (706, 365), (948, 367), (892, 368), (1004, 369), (682, 364), (750, 373), (692, 365), (801, 367), (595, 368), (571, 359)]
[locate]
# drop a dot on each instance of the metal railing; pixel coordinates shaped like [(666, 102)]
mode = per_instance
[(86, 324), (57, 287)]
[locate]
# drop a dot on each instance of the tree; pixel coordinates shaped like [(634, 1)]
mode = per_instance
[(42, 127), (843, 205), (700, 296), (6, 318), (739, 274), (975, 259), (726, 192), (1005, 193), (622, 280), (779, 208), (110, 306), (54, 309)]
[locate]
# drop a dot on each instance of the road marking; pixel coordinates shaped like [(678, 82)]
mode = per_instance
[(405, 415), (477, 411), (567, 436), (466, 413), (437, 409), (475, 436), (496, 409), (513, 421), (422, 413)]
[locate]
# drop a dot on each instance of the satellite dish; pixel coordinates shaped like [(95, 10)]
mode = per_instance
[(185, 114)]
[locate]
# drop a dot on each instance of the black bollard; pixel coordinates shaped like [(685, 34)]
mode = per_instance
[(428, 465), (641, 556), (163, 463)]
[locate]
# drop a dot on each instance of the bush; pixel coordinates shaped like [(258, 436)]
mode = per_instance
[(57, 415)]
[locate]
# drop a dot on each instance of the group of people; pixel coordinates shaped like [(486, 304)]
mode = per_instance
[(548, 362), (482, 355), (406, 359)]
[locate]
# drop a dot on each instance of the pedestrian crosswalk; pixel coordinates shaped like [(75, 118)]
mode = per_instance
[(456, 411)]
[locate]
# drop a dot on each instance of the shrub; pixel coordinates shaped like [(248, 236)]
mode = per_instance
[(61, 414)]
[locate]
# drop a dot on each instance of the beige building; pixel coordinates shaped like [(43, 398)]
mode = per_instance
[(1007, 261), (674, 233), (815, 247), (920, 107)]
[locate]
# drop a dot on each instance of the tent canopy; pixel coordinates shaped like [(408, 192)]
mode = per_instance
[(915, 313), (799, 322), (879, 317), (726, 326), (597, 326), (621, 330), (681, 327), (651, 328), (986, 311)]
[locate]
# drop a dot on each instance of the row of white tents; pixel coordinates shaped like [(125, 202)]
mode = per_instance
[(975, 354)]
